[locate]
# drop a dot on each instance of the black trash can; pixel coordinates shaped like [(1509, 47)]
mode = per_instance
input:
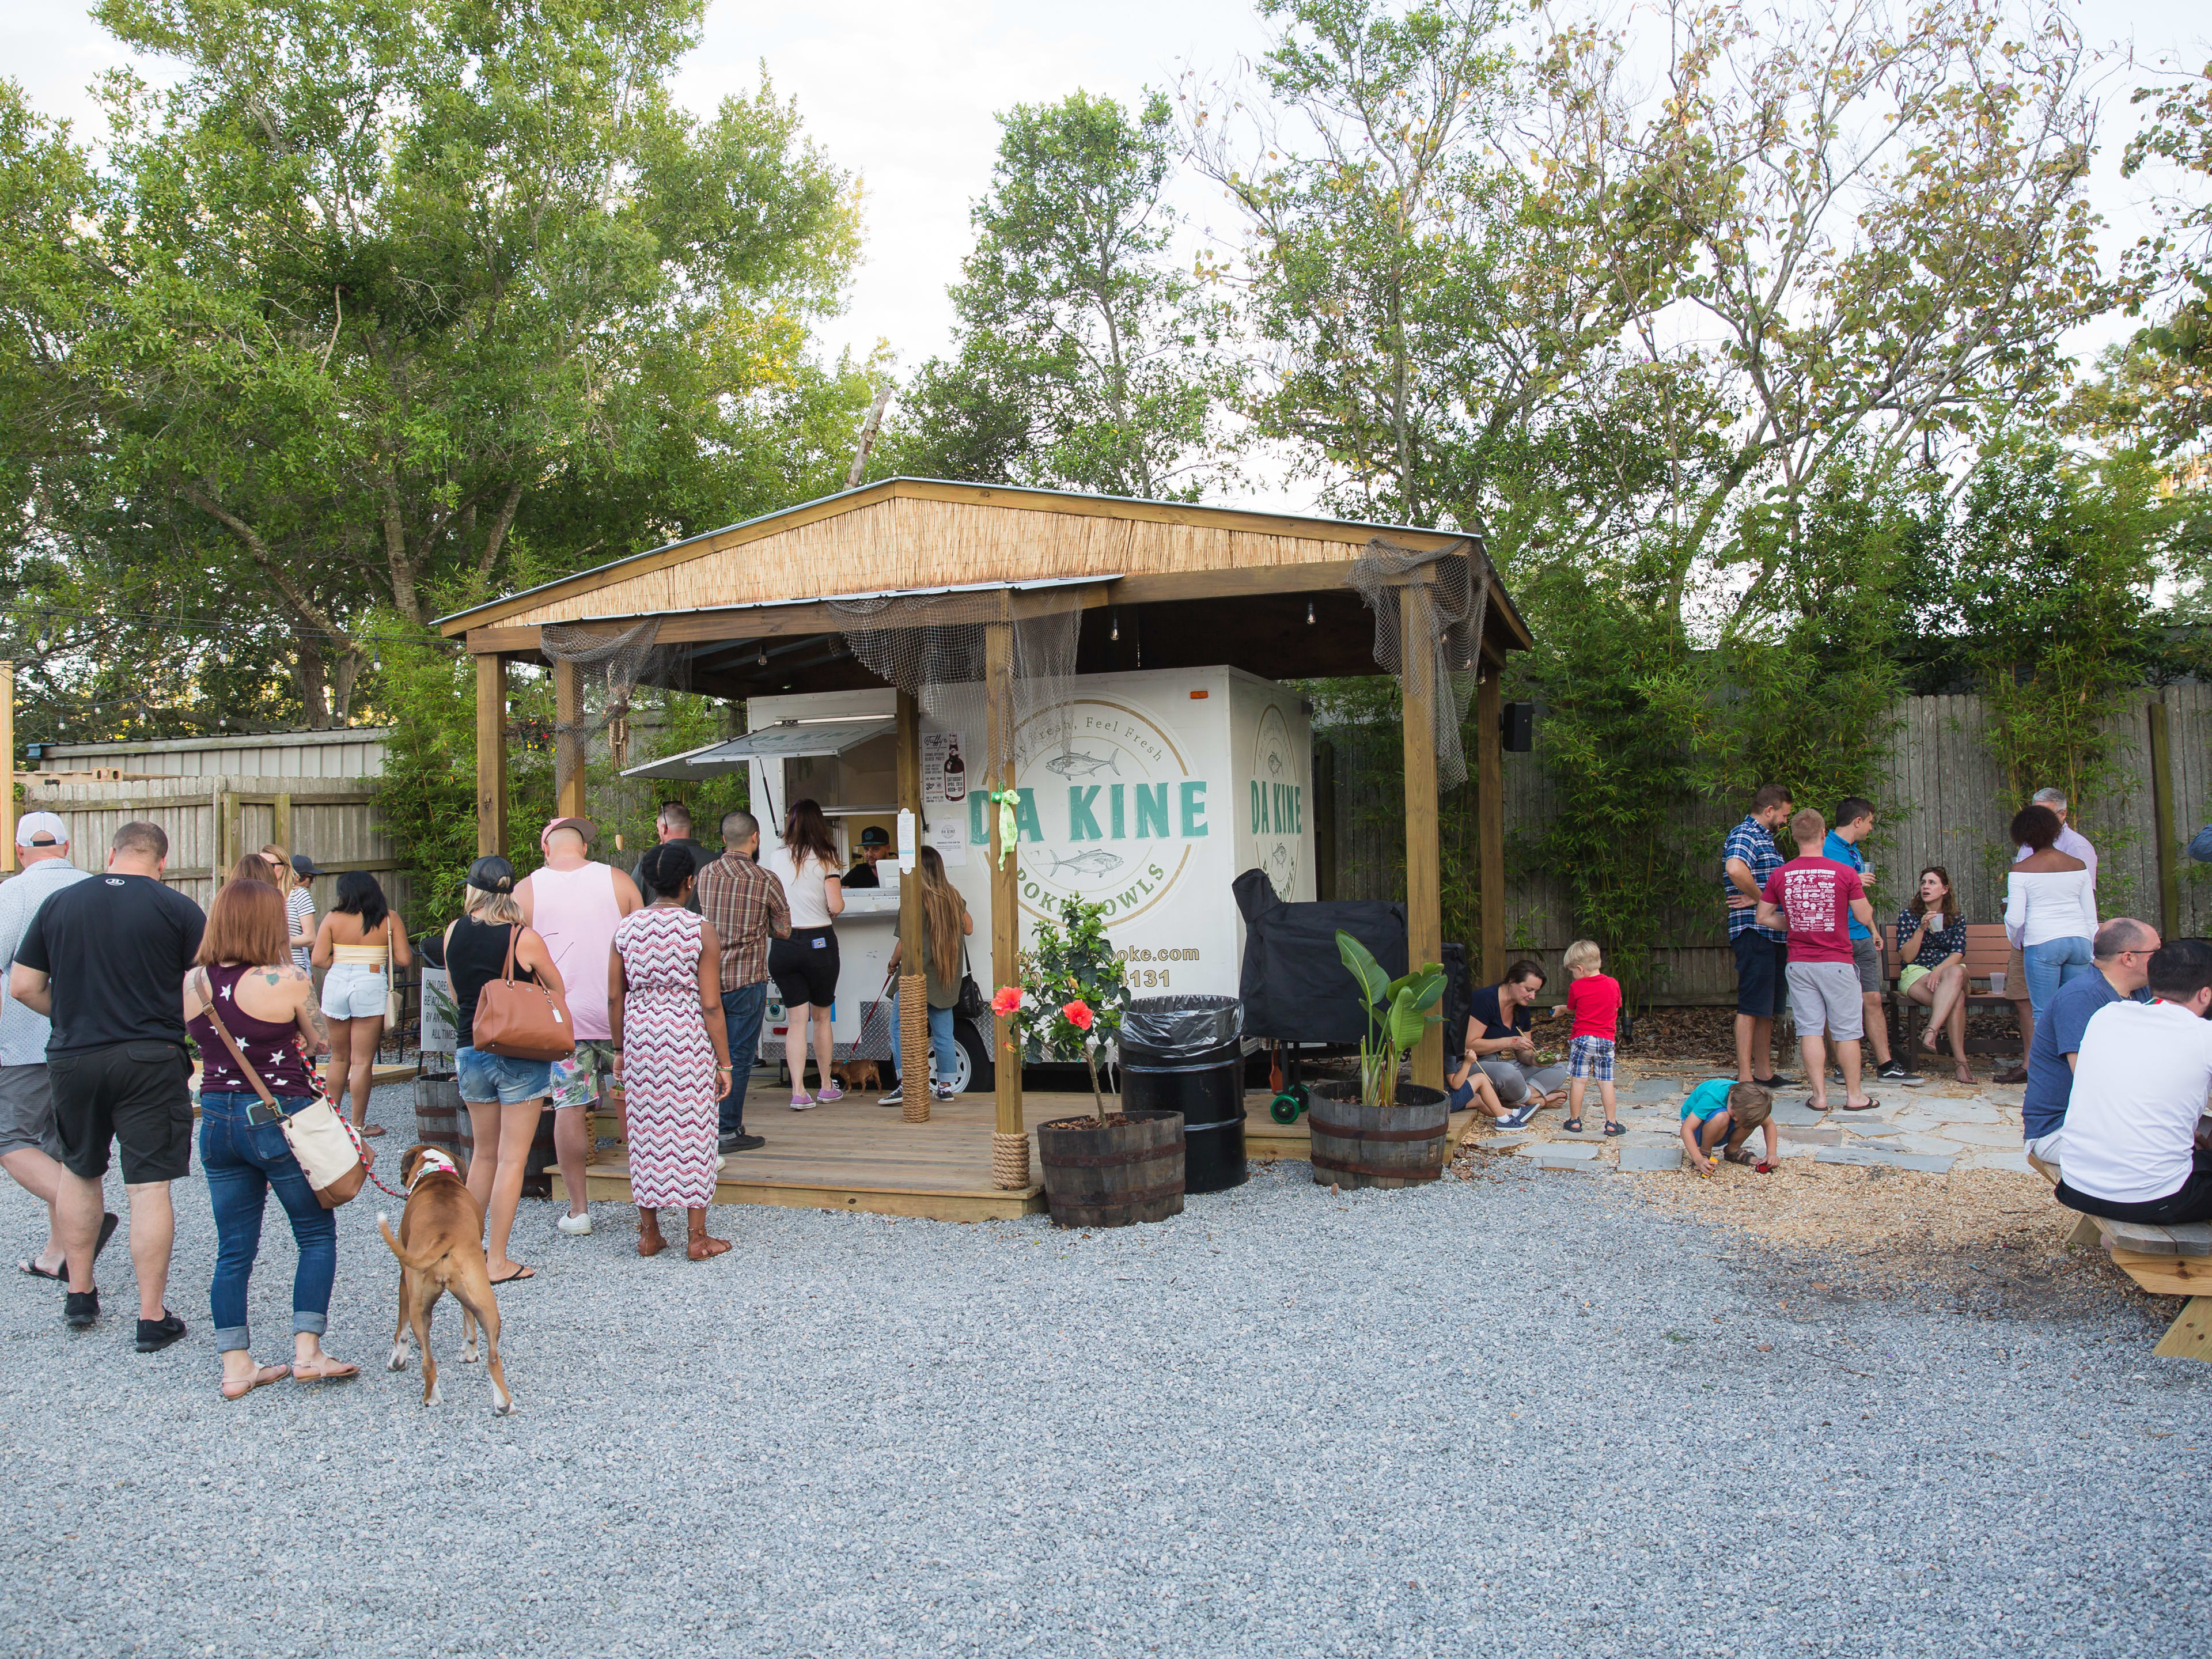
[(1187, 1055)]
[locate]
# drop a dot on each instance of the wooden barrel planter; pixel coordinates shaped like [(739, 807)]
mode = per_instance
[(1127, 1171), (1357, 1145), (441, 1120)]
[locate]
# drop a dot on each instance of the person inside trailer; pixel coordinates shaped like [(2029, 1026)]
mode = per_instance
[(875, 843)]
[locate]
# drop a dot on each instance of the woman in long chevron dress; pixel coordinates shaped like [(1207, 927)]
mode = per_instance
[(671, 1055)]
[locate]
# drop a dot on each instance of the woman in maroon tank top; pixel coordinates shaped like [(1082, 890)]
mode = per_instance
[(246, 980)]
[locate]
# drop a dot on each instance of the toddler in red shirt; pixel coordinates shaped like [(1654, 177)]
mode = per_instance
[(1594, 1001)]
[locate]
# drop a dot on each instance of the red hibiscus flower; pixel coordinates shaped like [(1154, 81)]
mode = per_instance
[(1078, 1015), (1008, 1000)]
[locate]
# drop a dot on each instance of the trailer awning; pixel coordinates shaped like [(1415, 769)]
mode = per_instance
[(785, 740)]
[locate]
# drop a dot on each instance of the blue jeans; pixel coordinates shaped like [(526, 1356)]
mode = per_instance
[(941, 1044), (2051, 964), (242, 1164), (743, 1010)]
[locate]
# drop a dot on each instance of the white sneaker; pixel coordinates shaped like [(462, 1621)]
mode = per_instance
[(575, 1225)]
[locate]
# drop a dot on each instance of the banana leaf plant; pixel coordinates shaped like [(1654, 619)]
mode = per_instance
[(1398, 1012)]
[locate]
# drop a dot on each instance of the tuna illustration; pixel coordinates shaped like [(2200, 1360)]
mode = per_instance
[(1275, 763), (1096, 861), (1073, 764)]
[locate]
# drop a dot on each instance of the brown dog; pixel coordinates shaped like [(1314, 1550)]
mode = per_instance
[(441, 1248), (857, 1075)]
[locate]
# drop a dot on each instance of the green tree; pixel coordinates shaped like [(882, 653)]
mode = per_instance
[(386, 302), (1085, 358)]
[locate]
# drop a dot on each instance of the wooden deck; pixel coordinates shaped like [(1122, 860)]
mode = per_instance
[(856, 1155)]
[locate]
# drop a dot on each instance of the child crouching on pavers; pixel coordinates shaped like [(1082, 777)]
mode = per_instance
[(1724, 1109)]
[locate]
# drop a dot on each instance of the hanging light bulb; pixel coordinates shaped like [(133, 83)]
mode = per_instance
[(1115, 631), (760, 655), (1310, 621)]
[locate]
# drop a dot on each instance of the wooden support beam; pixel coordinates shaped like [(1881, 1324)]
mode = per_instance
[(912, 930), (1490, 823), (1425, 913), (2161, 815), (280, 808), (1006, 894), (2190, 1336), (571, 793), (491, 754)]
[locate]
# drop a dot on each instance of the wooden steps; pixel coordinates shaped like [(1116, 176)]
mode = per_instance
[(856, 1155)]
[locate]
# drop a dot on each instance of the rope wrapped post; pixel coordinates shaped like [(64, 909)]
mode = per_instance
[(913, 1044), (1010, 1162)]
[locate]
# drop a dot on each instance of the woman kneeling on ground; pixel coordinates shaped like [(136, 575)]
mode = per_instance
[(672, 1050), (1931, 943), (1498, 1037), (247, 980)]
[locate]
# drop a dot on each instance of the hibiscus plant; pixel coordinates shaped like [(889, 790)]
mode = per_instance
[(1072, 995)]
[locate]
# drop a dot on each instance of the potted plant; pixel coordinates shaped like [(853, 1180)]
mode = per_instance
[(1113, 1168), (1378, 1132)]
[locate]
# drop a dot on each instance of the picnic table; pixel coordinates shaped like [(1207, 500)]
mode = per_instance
[(2173, 1261)]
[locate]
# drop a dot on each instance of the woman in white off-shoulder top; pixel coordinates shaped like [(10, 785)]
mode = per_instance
[(2050, 907)]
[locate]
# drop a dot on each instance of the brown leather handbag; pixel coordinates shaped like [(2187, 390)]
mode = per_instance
[(521, 1019)]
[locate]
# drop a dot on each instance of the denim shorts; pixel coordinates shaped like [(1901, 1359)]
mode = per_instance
[(353, 990), (486, 1078)]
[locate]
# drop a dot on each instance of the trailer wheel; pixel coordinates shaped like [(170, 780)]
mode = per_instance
[(971, 1067)]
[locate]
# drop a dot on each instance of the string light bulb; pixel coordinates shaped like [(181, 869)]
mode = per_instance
[(1310, 619), (1114, 631)]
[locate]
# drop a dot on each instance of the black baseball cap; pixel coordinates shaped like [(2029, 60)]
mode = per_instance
[(875, 836), (492, 874)]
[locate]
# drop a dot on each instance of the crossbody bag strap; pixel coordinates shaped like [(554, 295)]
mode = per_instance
[(514, 938), (207, 989)]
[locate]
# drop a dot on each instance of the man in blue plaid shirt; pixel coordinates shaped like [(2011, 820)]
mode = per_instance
[(1761, 953)]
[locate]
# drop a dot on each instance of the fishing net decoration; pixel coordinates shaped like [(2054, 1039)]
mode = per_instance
[(932, 647), (608, 669), (1459, 578)]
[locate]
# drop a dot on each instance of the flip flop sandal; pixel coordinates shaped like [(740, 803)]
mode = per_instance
[(368, 1130), (336, 1374), (108, 1223), (519, 1272), (1573, 1125), (34, 1270), (1871, 1104)]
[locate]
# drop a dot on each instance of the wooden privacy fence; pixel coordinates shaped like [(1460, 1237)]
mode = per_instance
[(213, 821), (1941, 801)]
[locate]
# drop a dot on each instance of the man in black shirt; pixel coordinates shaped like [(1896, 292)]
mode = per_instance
[(673, 823), (875, 842), (105, 960)]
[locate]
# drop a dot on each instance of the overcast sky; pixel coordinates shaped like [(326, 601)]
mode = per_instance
[(903, 94)]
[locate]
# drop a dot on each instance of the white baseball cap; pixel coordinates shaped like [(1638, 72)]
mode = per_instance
[(42, 829)]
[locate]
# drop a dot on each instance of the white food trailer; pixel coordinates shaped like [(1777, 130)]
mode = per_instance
[(1171, 783)]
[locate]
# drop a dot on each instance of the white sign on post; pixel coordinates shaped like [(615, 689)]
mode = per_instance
[(943, 768), (948, 834), (908, 842)]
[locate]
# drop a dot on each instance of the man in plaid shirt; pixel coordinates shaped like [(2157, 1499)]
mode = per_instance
[(746, 905), (1761, 953)]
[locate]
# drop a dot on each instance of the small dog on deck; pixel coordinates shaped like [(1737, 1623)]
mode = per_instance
[(441, 1248), (854, 1075)]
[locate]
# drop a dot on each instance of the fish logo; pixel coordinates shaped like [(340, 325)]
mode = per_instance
[(1073, 764), (1275, 763), (1095, 861)]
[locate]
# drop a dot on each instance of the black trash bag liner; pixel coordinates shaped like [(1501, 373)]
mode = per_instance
[(1186, 1030), (431, 949), (1294, 986)]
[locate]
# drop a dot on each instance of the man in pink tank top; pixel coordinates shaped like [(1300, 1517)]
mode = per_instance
[(573, 904)]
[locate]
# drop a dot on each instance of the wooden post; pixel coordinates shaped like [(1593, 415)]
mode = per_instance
[(913, 932), (1009, 1144), (7, 766), (230, 834), (1424, 910), (280, 807), (2161, 816), (1490, 822), (569, 792), (491, 754)]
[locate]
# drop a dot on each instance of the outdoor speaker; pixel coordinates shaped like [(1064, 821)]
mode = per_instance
[(1516, 722)]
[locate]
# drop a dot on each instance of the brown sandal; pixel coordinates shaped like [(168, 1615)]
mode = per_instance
[(706, 1250), (262, 1377)]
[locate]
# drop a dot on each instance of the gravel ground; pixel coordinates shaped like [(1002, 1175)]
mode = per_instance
[(1514, 1414)]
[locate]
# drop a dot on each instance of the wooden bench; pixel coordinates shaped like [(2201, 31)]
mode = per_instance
[(2164, 1261), (1988, 952)]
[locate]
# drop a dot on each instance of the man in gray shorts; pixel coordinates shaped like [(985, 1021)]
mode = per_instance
[(1812, 898), (30, 1146)]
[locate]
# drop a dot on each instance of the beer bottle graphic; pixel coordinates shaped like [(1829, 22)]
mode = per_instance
[(956, 774)]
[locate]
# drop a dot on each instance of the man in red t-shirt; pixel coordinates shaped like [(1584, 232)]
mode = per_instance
[(1812, 899)]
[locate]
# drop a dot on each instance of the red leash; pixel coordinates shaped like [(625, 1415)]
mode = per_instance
[(359, 1146)]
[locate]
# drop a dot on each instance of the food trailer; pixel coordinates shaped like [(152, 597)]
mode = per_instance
[(1148, 795)]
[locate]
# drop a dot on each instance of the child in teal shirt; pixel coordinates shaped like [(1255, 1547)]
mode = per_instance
[(1723, 1108)]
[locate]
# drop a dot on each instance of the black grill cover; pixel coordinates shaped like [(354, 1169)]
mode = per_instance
[(1294, 986)]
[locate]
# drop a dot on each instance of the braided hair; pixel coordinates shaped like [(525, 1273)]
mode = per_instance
[(665, 868)]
